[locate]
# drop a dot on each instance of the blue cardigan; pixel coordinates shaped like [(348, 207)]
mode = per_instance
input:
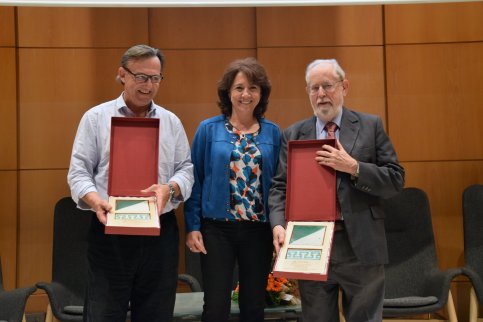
[(210, 154)]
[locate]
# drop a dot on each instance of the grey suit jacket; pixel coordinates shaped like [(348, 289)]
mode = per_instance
[(380, 176)]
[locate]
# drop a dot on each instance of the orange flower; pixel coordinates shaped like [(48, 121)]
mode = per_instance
[(280, 291)]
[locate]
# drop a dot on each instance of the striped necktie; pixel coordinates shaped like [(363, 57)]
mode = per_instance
[(330, 127)]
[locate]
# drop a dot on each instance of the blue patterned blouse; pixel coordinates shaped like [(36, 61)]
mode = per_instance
[(245, 178)]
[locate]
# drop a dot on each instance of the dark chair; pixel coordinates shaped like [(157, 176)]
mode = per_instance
[(191, 281), (414, 283), (69, 262), (473, 237), (12, 303)]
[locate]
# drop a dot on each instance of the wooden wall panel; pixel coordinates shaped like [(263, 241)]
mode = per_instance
[(437, 85), (190, 87), (8, 227), (289, 101), (202, 28), (38, 193), (434, 100), (319, 26), (82, 27), (7, 26), (429, 23), (8, 109), (460, 289), (57, 86), (444, 183)]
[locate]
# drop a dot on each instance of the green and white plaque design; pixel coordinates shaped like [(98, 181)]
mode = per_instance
[(307, 235)]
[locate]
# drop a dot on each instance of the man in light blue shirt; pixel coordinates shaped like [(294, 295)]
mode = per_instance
[(131, 272)]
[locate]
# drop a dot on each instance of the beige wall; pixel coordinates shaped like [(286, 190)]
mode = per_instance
[(410, 64)]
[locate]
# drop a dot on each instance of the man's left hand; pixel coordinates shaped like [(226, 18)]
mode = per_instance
[(162, 195), (336, 158)]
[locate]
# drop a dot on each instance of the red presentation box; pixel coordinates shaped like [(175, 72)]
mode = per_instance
[(133, 166), (310, 212)]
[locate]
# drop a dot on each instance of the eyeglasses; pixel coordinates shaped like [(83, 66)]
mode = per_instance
[(327, 87), (143, 78)]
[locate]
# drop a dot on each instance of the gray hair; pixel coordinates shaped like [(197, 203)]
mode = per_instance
[(338, 70)]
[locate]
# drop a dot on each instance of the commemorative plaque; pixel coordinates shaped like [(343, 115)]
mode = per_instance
[(133, 166), (306, 252), (310, 213)]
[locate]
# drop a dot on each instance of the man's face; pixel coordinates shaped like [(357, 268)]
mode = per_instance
[(138, 94), (326, 92)]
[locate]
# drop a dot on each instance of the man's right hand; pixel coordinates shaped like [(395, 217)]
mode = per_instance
[(100, 206), (278, 238)]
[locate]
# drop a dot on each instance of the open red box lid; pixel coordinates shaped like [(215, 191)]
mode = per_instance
[(311, 188), (133, 160)]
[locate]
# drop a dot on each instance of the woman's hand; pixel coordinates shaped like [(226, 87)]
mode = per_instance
[(194, 241)]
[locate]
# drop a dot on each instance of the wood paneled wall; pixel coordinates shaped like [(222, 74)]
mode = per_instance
[(8, 147), (410, 64)]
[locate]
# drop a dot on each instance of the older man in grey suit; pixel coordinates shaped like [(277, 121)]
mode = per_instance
[(367, 170)]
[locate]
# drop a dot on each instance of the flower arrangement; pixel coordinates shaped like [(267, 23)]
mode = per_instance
[(279, 291)]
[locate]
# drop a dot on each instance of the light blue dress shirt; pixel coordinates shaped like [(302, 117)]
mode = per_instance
[(89, 165), (320, 127)]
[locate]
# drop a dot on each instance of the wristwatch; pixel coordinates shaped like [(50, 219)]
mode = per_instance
[(171, 191), (356, 174)]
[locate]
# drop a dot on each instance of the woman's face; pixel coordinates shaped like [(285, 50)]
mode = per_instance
[(244, 96)]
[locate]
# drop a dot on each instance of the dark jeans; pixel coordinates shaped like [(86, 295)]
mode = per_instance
[(249, 244), (136, 271)]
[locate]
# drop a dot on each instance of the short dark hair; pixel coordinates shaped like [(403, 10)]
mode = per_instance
[(140, 52), (256, 75)]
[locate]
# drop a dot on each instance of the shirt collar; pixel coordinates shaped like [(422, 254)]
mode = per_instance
[(337, 120), (124, 109)]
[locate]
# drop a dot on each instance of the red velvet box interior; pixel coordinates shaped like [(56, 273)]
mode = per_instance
[(311, 188), (133, 160)]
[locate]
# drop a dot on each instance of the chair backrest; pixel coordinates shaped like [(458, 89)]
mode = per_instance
[(69, 258), (473, 237), (1, 276), (410, 241), (12, 302)]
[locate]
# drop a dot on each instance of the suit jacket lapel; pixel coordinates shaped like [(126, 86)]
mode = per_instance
[(307, 130), (349, 130)]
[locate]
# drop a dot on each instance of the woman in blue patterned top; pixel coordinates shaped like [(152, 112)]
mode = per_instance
[(235, 156)]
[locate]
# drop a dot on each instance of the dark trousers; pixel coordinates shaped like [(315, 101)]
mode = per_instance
[(362, 288), (249, 244), (139, 272)]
